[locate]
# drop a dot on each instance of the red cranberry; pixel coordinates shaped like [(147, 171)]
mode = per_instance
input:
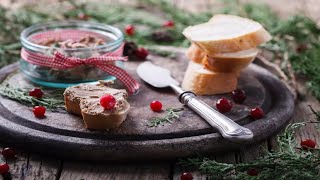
[(256, 113), (129, 29), (8, 153), (301, 48), (156, 106), (186, 176), (141, 53), (308, 144), (4, 168), (168, 24), (239, 96), (108, 101), (224, 105), (39, 111), (252, 172), (37, 93), (83, 16)]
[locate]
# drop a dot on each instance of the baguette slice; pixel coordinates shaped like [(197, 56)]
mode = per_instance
[(204, 82), (97, 118), (83, 100), (230, 62), (194, 53), (227, 33)]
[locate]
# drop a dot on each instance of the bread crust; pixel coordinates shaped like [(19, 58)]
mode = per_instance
[(195, 54), (226, 64), (234, 62), (204, 82), (72, 106), (103, 121)]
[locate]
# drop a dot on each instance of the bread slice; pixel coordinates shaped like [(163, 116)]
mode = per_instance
[(227, 33), (224, 62), (230, 62), (205, 82), (194, 53), (97, 118), (84, 100)]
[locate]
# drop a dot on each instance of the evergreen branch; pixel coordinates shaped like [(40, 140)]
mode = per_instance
[(287, 163), (171, 114), (21, 96)]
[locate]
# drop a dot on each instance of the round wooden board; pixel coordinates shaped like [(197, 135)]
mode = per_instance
[(64, 135)]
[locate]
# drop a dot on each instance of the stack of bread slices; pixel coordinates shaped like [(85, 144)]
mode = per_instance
[(220, 49)]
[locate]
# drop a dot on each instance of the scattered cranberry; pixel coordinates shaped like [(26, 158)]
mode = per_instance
[(252, 172), (4, 168), (256, 113), (156, 106), (186, 176), (8, 153), (239, 96), (129, 30), (39, 111), (83, 16), (224, 105), (168, 24), (142, 53), (308, 144), (36, 92), (301, 48), (108, 101)]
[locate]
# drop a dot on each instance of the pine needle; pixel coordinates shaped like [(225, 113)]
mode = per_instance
[(289, 162), (171, 114), (21, 96)]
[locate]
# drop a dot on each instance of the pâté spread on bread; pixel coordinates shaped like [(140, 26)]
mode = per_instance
[(84, 100)]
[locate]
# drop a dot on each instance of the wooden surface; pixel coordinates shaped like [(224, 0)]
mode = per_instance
[(32, 166), (61, 134)]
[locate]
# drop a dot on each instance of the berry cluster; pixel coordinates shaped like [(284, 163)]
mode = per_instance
[(38, 111), (7, 153), (224, 105), (131, 49)]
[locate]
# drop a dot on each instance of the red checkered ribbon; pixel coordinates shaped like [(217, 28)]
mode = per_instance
[(103, 62)]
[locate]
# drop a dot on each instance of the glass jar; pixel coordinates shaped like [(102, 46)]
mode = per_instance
[(61, 78)]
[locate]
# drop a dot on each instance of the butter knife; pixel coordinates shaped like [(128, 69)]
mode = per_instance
[(160, 78)]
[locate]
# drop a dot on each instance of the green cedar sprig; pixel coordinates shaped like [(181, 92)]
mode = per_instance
[(171, 114), (22, 96), (289, 162)]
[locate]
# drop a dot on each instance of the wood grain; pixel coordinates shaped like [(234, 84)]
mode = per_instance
[(304, 114), (32, 166), (116, 171), (41, 167)]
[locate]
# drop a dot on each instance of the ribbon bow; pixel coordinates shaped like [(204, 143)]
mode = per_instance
[(103, 62)]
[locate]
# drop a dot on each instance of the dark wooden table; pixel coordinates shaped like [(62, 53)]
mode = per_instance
[(34, 166)]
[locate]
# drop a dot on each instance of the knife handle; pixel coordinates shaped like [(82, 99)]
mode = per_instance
[(227, 127)]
